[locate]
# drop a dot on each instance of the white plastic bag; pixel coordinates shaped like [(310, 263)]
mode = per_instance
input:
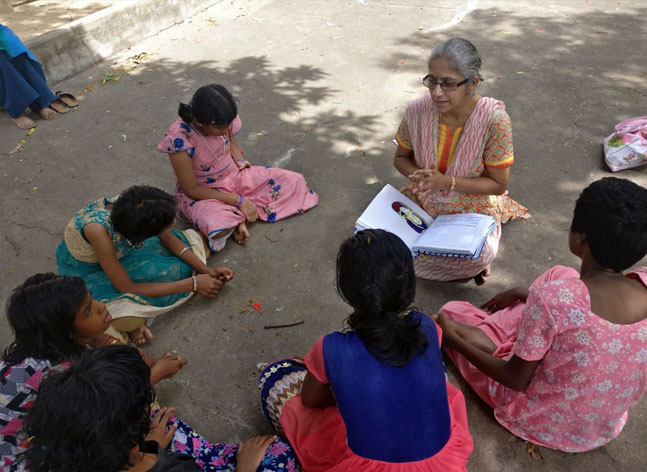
[(627, 147)]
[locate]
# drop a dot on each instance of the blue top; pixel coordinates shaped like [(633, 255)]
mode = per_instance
[(11, 44), (392, 414)]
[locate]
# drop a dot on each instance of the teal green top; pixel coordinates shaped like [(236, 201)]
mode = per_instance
[(150, 263)]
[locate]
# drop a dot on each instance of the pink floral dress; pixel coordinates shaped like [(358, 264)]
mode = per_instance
[(591, 372), (277, 193)]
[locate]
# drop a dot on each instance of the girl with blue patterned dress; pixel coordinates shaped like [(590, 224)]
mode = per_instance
[(375, 397), (217, 189), (131, 259), (55, 322)]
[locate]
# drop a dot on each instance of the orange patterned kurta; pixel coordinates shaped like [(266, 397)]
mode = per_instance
[(485, 141)]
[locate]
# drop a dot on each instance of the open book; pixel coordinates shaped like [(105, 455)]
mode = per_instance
[(457, 235)]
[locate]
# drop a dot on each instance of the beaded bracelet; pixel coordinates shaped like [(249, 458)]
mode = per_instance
[(195, 283), (240, 202), (186, 248)]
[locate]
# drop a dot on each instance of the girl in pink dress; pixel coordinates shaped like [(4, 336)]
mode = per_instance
[(216, 188), (374, 397), (562, 362)]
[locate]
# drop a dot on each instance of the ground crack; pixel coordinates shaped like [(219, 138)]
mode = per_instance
[(40, 228)]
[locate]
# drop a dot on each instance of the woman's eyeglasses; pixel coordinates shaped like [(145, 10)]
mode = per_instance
[(447, 85)]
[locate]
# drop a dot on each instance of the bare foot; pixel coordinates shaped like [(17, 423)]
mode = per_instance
[(241, 234), (58, 106), (24, 122), (47, 113), (140, 335), (481, 278)]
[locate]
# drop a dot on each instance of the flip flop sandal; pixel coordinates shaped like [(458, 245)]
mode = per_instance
[(67, 98), (59, 107)]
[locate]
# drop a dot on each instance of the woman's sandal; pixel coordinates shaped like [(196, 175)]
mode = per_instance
[(59, 107), (67, 99), (479, 279)]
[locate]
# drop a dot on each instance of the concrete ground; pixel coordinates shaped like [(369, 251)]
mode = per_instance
[(32, 18), (322, 88)]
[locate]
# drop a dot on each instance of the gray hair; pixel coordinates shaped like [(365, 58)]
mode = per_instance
[(462, 55)]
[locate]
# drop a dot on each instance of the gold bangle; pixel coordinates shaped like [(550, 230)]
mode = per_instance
[(186, 248), (452, 185), (195, 283)]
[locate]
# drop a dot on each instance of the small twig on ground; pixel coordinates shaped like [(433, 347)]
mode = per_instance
[(269, 239), (637, 91), (287, 325)]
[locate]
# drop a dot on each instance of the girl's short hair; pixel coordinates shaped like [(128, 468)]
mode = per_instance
[(91, 415), (612, 214), (211, 104), (41, 315), (375, 276), (142, 212)]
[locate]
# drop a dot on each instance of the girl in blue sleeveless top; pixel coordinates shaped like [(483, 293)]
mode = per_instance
[(374, 397)]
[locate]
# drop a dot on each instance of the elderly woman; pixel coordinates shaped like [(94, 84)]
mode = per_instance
[(456, 149)]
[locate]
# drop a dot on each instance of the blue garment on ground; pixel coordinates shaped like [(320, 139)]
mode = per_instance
[(22, 80), (392, 414), (151, 263)]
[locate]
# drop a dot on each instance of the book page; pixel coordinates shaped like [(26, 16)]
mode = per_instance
[(392, 211), (460, 233)]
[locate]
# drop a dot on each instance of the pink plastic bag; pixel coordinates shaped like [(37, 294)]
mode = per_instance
[(627, 147)]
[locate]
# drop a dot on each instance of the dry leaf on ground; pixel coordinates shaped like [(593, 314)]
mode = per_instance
[(534, 451), (19, 147)]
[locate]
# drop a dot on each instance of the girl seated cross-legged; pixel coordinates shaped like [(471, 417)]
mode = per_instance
[(562, 362), (374, 397), (217, 189), (131, 259), (55, 321), (101, 406)]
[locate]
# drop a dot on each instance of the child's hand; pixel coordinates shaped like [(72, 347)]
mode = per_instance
[(158, 432), (505, 299), (251, 453), (207, 285), (166, 367), (224, 274), (242, 164), (249, 210)]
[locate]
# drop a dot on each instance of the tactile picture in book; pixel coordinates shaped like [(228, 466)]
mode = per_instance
[(412, 218), (457, 235)]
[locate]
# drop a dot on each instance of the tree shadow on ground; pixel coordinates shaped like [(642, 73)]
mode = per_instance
[(110, 143)]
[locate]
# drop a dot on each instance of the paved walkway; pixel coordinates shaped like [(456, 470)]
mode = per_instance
[(32, 18), (322, 88)]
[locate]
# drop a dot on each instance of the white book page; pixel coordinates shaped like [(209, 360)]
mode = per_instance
[(392, 211), (459, 233)]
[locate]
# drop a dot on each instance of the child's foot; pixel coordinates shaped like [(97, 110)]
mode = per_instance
[(24, 122), (140, 335), (241, 234), (481, 278), (47, 113)]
